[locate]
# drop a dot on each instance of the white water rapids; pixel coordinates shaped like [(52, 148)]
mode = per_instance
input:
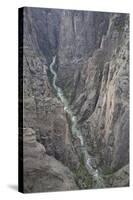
[(75, 131)]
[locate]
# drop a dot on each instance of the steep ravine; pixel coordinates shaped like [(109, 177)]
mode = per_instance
[(104, 121), (88, 160)]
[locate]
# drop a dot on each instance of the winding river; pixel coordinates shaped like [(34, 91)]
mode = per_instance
[(75, 131)]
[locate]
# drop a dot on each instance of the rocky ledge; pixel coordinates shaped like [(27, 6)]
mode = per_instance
[(42, 172)]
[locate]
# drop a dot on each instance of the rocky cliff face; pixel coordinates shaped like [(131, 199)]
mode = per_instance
[(78, 39), (92, 66), (103, 106), (43, 173), (101, 91), (43, 112)]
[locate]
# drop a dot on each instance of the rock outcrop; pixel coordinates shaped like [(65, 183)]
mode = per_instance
[(43, 173), (119, 178)]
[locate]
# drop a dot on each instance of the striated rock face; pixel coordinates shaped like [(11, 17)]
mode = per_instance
[(42, 172), (103, 106), (98, 87), (92, 53)]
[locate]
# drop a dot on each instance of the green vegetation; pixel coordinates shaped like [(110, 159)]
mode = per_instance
[(67, 92), (83, 179), (50, 77), (107, 171)]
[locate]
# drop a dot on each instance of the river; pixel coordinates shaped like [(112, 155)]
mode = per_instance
[(75, 131)]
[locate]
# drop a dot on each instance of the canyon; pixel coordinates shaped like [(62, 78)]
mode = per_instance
[(75, 99)]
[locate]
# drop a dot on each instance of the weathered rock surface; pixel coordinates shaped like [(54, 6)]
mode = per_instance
[(98, 87), (104, 103), (42, 172), (119, 178)]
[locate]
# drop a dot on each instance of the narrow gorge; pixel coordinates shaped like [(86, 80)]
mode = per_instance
[(76, 132), (75, 99)]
